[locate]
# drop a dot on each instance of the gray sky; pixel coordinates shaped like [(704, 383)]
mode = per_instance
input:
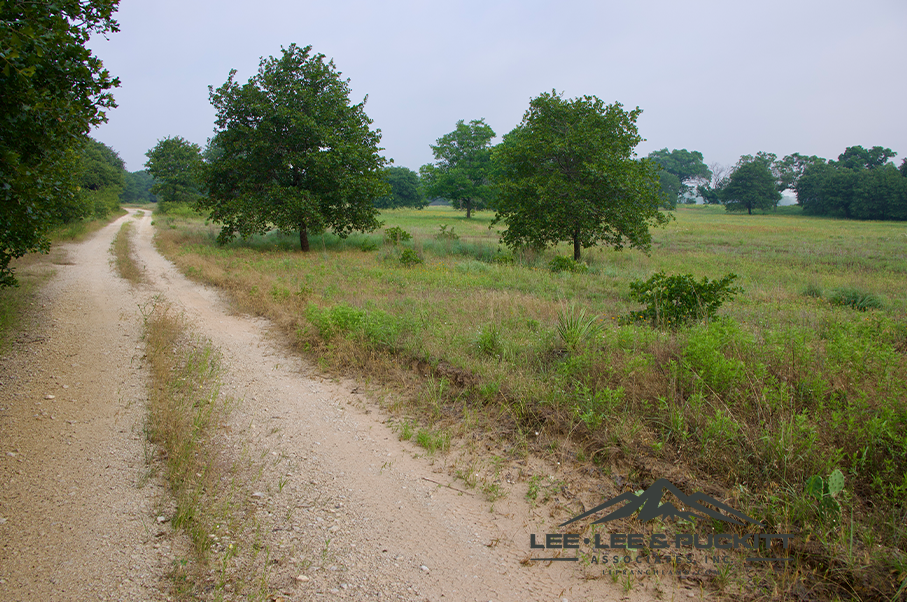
[(724, 77)]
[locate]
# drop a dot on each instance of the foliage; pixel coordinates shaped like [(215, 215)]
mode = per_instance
[(293, 152), (54, 92), (396, 235), (680, 168), (861, 184), (409, 258), (137, 187), (825, 492), (568, 172), (854, 298), (175, 163), (561, 263), (101, 166), (406, 189), (677, 299), (574, 326), (462, 169), (445, 234), (751, 186)]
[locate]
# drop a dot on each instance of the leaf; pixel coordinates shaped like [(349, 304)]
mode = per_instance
[(835, 482), (815, 486)]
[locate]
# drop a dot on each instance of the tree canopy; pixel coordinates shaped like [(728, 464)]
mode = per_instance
[(291, 151), (406, 189), (751, 186), (679, 170), (54, 91), (137, 187), (175, 163), (462, 169), (861, 184), (568, 172)]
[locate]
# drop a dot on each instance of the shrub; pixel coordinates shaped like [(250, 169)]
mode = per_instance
[(446, 234), (368, 245), (409, 258), (855, 298), (567, 264), (678, 299), (396, 235)]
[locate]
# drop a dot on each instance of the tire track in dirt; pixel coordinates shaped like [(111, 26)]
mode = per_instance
[(78, 513)]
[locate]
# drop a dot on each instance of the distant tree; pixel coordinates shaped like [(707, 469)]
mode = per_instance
[(687, 167), (462, 169), (711, 191), (857, 157), (751, 186), (861, 184), (53, 92), (903, 168), (293, 152), (175, 165), (406, 189), (568, 173), (789, 170), (137, 187), (101, 166), (671, 189)]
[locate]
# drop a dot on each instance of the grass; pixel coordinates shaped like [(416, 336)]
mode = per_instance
[(125, 263), (185, 411), (779, 387)]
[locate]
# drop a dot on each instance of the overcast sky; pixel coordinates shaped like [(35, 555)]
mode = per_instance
[(722, 77)]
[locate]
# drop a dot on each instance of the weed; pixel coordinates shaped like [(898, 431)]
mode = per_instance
[(409, 258), (432, 441), (813, 290), (854, 298), (489, 341), (445, 234), (672, 301), (396, 235), (825, 492), (122, 253), (567, 264)]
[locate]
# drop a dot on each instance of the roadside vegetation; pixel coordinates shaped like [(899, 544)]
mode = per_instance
[(123, 257), (209, 483), (800, 373)]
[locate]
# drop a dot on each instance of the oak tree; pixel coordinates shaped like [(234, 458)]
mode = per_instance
[(53, 92), (568, 172), (292, 152), (175, 163), (462, 169)]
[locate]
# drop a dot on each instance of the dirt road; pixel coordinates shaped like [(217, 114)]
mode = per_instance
[(358, 513)]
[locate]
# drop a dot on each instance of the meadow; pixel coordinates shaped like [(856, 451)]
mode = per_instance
[(802, 374)]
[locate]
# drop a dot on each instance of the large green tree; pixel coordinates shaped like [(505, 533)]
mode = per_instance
[(406, 189), (462, 169), (137, 187), (175, 163), (751, 186), (568, 172), (52, 91), (292, 152)]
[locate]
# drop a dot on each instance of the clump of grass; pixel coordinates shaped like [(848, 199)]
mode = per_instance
[(122, 255), (813, 290), (185, 409), (855, 298), (574, 326)]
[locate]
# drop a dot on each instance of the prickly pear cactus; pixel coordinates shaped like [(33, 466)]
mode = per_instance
[(835, 482)]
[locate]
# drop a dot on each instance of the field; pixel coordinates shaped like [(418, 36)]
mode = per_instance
[(802, 374)]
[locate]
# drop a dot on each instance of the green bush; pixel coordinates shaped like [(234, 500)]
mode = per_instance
[(678, 299), (409, 258), (855, 298), (567, 264), (446, 234), (396, 235)]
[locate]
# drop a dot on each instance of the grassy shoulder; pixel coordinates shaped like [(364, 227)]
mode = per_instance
[(789, 384)]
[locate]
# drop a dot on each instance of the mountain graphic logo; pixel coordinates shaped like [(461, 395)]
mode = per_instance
[(649, 505)]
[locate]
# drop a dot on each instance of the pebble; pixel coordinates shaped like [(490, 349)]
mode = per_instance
[(50, 397), (302, 578), (424, 568)]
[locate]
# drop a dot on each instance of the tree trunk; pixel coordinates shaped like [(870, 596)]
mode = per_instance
[(303, 238), (576, 248), (468, 208)]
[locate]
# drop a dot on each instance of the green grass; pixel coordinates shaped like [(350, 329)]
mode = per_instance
[(781, 387)]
